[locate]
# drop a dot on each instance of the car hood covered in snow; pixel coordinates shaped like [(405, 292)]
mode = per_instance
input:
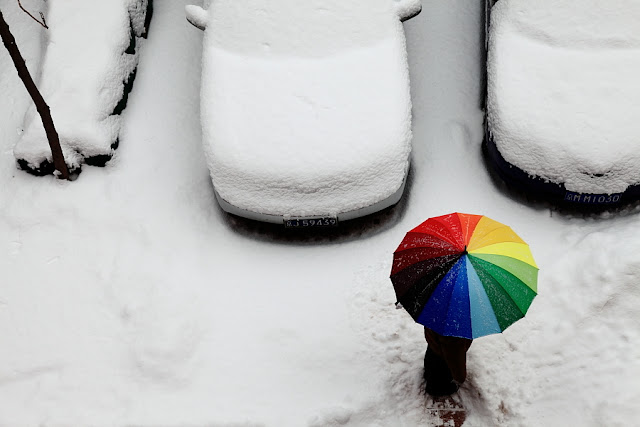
[(306, 107), (550, 65)]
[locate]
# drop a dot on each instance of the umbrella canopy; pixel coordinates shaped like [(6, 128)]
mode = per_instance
[(464, 275)]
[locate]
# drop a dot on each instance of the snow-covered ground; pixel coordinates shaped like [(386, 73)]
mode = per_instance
[(128, 298)]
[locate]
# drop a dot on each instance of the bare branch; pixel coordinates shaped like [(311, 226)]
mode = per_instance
[(43, 109), (43, 23)]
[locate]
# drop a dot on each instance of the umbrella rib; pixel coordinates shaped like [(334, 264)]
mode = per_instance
[(482, 239), (517, 250), (417, 296), (517, 274), (454, 283), (453, 288), (411, 263), (446, 244), (482, 304), (507, 292), (454, 250)]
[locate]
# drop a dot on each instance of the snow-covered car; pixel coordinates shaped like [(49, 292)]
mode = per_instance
[(562, 98), (84, 80), (305, 106)]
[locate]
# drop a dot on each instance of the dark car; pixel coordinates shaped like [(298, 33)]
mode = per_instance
[(562, 110)]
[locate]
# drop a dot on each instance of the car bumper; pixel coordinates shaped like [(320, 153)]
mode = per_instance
[(286, 219)]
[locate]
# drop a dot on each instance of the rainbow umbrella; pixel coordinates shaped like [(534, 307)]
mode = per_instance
[(464, 275)]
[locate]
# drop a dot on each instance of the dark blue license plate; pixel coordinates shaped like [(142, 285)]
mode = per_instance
[(311, 222), (594, 199)]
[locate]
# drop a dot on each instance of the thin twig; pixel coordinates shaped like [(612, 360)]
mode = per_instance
[(43, 23), (41, 106)]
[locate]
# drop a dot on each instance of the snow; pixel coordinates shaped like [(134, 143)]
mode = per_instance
[(306, 110), (82, 75), (129, 298), (28, 37), (563, 88), (407, 9)]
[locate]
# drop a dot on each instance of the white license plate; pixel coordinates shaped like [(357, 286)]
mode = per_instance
[(311, 222)]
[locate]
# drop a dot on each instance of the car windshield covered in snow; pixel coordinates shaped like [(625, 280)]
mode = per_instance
[(299, 28)]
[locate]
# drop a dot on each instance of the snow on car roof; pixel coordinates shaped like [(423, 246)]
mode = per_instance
[(563, 88), (306, 127)]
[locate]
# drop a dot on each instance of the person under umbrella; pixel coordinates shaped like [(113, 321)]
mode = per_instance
[(461, 276), (445, 363)]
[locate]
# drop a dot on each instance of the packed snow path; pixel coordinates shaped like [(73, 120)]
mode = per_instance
[(128, 298)]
